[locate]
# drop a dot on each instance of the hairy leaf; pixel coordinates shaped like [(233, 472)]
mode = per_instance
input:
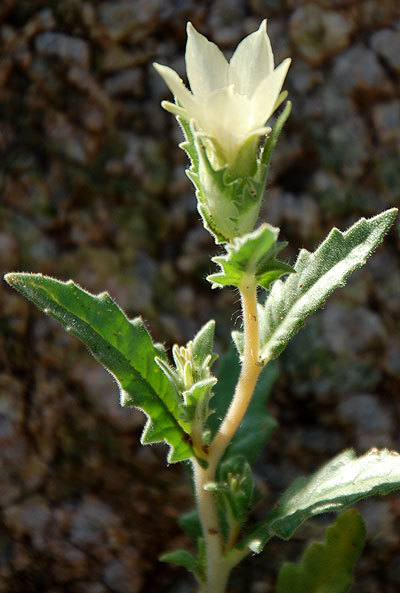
[(317, 275), (252, 255), (123, 346), (337, 485), (327, 567), (185, 559)]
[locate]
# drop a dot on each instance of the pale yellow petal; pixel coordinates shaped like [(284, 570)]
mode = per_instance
[(226, 116), (252, 61), (176, 86), (206, 66), (267, 93)]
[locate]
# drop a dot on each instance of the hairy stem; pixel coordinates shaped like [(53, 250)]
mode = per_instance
[(249, 374), (218, 566)]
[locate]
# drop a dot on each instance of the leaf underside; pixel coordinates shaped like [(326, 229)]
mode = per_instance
[(340, 483), (123, 346), (327, 567)]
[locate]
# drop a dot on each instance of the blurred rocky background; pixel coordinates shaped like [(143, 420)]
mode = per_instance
[(93, 187)]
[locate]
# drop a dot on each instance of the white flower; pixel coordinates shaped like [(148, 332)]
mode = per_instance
[(230, 103)]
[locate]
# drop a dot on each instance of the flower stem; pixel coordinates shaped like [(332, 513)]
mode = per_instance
[(218, 566), (250, 371)]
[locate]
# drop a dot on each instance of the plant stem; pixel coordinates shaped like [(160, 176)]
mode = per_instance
[(218, 567), (249, 374)]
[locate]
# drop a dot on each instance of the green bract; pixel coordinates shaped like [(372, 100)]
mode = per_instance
[(251, 256)]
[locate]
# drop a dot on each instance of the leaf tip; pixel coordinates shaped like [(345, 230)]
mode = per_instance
[(255, 546)]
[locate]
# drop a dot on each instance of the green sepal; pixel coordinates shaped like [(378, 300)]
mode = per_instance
[(203, 344), (123, 346), (340, 483), (257, 424), (253, 255), (318, 274), (228, 204), (185, 559), (270, 143), (327, 567)]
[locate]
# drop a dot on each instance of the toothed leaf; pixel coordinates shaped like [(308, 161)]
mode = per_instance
[(327, 567), (123, 346), (318, 274), (338, 484)]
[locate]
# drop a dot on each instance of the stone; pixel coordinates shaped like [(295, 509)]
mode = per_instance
[(129, 20), (64, 47), (373, 422), (318, 34), (128, 82), (350, 330), (263, 7), (123, 576), (386, 43), (386, 117), (358, 69)]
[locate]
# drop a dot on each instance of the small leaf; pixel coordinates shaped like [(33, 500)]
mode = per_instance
[(123, 346), (327, 567), (203, 344), (317, 275), (190, 523), (253, 254), (185, 559), (257, 424), (338, 484), (238, 492)]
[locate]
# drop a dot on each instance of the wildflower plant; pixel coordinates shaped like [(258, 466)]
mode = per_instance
[(214, 417)]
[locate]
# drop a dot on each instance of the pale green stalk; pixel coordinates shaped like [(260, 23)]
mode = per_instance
[(218, 566)]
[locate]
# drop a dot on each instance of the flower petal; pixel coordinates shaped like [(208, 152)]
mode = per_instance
[(252, 61), (206, 66), (227, 117), (176, 86), (267, 93)]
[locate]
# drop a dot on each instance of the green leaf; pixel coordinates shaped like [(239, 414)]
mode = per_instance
[(327, 567), (338, 484), (237, 489), (253, 254), (123, 346), (318, 274), (257, 424), (190, 523), (185, 559)]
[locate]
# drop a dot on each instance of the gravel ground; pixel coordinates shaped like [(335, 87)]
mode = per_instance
[(92, 186)]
